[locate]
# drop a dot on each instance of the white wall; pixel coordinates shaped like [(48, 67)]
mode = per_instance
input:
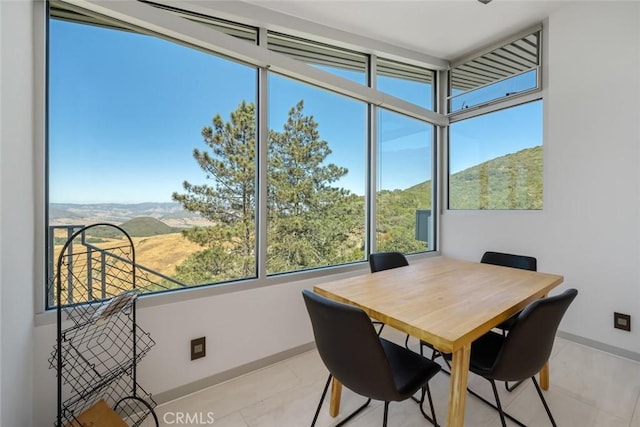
[(589, 229), (240, 328), (16, 214)]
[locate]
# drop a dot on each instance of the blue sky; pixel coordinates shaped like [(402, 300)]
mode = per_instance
[(126, 111)]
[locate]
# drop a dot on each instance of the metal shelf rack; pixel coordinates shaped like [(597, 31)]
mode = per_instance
[(98, 341)]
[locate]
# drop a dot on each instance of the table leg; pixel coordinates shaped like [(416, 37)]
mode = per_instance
[(336, 394), (544, 377), (458, 388), (544, 373)]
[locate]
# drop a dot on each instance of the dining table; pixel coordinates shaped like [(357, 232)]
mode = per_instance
[(446, 302)]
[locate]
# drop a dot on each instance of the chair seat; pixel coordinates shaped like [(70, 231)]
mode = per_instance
[(410, 370), (484, 353)]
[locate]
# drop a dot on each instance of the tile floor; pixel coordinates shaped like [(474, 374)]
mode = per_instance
[(588, 388)]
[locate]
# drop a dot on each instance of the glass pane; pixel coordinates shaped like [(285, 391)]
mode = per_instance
[(404, 217), (407, 82), (159, 139), (495, 160), (317, 177)]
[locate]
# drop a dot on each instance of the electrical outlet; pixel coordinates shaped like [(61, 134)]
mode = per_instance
[(622, 321), (198, 348)]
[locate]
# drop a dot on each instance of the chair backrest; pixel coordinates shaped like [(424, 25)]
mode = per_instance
[(510, 260), (350, 348), (528, 344), (387, 260)]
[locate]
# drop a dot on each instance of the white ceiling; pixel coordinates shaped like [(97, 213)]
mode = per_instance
[(445, 29)]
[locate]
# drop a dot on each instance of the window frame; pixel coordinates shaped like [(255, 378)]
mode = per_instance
[(505, 102), (500, 102), (160, 23)]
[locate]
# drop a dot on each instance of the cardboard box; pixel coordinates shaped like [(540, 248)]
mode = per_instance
[(98, 415)]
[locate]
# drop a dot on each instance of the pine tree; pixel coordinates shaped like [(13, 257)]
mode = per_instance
[(310, 221), (228, 201)]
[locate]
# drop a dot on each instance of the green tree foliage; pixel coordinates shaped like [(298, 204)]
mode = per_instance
[(310, 221), (228, 202), (396, 218)]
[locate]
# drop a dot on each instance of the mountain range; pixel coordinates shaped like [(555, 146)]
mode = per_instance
[(172, 214)]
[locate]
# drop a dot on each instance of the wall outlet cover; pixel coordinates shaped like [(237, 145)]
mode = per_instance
[(198, 348)]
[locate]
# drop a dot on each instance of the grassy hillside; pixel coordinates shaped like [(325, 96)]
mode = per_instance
[(513, 181), (163, 252), (160, 253)]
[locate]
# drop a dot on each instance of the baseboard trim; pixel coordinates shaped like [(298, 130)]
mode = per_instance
[(184, 390), (600, 346)]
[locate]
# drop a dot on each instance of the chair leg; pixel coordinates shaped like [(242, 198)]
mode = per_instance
[(427, 391), (495, 393), (434, 353), (324, 393), (486, 402), (386, 414), (512, 387), (544, 402), (437, 354), (354, 413)]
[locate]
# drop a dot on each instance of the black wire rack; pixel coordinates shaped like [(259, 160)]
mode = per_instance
[(99, 342)]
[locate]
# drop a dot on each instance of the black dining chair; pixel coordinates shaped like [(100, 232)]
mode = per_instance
[(522, 262), (524, 350), (362, 361), (381, 261)]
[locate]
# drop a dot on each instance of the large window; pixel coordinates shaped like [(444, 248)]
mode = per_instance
[(155, 137), (495, 160), (404, 210), (224, 152)]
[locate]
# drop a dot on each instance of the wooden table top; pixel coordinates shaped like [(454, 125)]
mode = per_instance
[(444, 301)]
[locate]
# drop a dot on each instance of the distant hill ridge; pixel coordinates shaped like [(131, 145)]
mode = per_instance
[(145, 226), (512, 181), (172, 214)]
